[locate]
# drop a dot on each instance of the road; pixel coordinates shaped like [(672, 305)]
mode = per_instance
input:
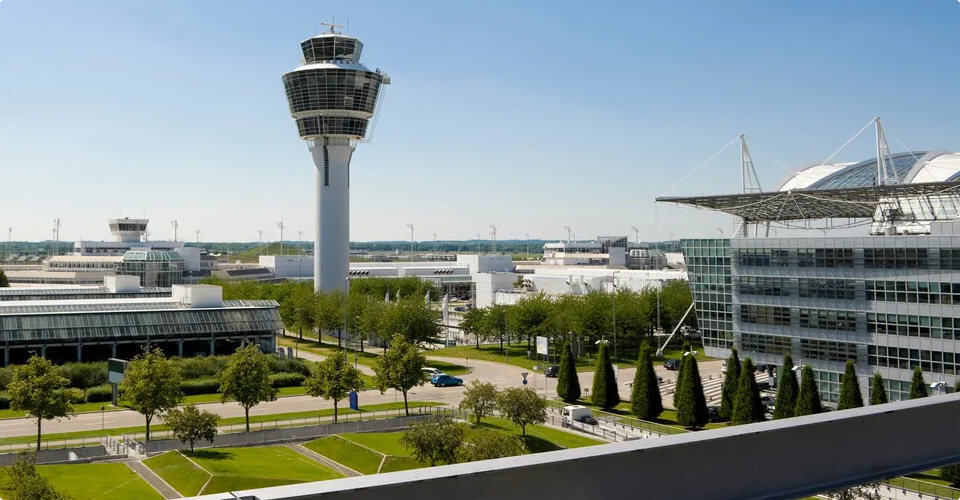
[(500, 374)]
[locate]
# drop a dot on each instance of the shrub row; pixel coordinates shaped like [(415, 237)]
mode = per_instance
[(287, 379), (84, 375), (4, 401), (6, 375), (99, 394), (200, 386)]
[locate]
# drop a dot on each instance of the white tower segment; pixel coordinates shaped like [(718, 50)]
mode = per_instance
[(129, 230), (332, 97)]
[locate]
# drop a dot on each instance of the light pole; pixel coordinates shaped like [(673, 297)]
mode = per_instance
[(493, 232), (9, 240), (299, 256), (410, 227), (56, 235), (260, 245), (281, 226), (176, 226), (479, 245), (636, 231), (198, 238), (615, 315), (528, 244)]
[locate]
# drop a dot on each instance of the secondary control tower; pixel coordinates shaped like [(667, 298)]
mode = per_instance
[(332, 98)]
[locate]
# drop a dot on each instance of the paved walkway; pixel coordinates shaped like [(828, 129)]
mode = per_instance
[(153, 479)]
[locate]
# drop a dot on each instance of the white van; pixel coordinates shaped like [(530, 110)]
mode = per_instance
[(576, 413)]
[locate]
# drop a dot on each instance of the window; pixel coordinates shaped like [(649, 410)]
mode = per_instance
[(765, 315), (776, 287), (828, 320), (769, 344), (827, 288), (828, 350), (895, 258)]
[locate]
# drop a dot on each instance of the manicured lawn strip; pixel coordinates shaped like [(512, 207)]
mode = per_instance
[(393, 464), (387, 443), (93, 481), (347, 453), (928, 482), (178, 472), (368, 358), (326, 412), (541, 438), (491, 352), (240, 468), (80, 408)]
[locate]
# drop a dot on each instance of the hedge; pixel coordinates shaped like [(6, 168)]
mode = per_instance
[(84, 375), (287, 379), (99, 394), (4, 401), (200, 386)]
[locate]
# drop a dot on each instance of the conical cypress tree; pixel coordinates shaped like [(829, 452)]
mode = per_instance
[(729, 390), (878, 393), (568, 385), (808, 400), (645, 397), (747, 407), (918, 387), (605, 394), (676, 388), (692, 405), (850, 388), (786, 400)]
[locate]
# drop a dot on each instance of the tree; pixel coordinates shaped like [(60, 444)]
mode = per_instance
[(786, 400), (808, 399), (370, 318), (529, 317), (480, 399), (645, 399), (676, 390), (869, 491), (747, 407), (4, 282), (472, 323), (522, 407), (568, 384), (729, 389), (486, 444), (247, 380), (411, 318), (303, 312), (495, 322), (605, 393), (692, 404), (334, 378), (328, 312), (190, 425), (151, 384), (918, 386), (400, 368), (951, 474), (434, 442), (878, 392), (27, 484), (850, 396), (37, 388)]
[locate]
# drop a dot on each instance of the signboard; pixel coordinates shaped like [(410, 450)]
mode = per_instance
[(115, 370), (524, 375), (354, 401), (542, 346)]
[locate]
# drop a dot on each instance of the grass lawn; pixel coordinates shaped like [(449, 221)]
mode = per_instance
[(540, 438), (80, 408), (178, 472), (366, 358), (394, 464), (94, 481), (348, 453), (387, 443), (927, 482), (257, 467), (255, 419)]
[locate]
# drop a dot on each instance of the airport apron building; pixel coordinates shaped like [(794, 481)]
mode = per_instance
[(78, 325), (889, 300)]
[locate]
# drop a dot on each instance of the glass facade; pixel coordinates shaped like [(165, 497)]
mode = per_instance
[(865, 172), (330, 48), (154, 268), (27, 325), (889, 303)]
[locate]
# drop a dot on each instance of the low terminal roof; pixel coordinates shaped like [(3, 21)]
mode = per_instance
[(848, 202), (16, 308)]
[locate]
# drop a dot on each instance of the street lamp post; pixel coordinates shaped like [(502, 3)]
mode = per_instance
[(615, 314)]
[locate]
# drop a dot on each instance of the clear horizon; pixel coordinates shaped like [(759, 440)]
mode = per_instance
[(529, 116)]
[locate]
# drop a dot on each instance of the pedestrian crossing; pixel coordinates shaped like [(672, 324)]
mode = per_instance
[(712, 387)]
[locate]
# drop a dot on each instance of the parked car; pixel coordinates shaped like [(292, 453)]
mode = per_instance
[(460, 309), (767, 402), (761, 367), (432, 372), (444, 380), (723, 367), (552, 371), (672, 364)]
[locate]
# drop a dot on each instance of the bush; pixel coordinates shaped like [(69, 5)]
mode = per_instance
[(99, 394), (6, 375), (84, 375), (4, 401), (951, 473), (194, 368), (288, 366), (200, 386), (76, 396), (287, 379)]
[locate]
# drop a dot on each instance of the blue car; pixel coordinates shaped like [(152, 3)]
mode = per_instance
[(444, 380)]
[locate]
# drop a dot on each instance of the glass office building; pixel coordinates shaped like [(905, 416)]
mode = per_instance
[(95, 329), (155, 268), (890, 303)]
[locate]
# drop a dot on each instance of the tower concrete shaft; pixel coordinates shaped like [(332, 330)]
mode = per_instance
[(332, 97)]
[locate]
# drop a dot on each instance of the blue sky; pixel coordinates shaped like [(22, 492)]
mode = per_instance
[(528, 115)]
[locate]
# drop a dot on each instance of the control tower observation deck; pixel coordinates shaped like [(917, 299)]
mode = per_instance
[(332, 97)]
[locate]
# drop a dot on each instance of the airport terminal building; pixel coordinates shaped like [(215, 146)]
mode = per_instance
[(889, 300), (190, 320)]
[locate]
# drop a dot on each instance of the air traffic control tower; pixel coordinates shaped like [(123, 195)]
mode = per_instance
[(332, 98)]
